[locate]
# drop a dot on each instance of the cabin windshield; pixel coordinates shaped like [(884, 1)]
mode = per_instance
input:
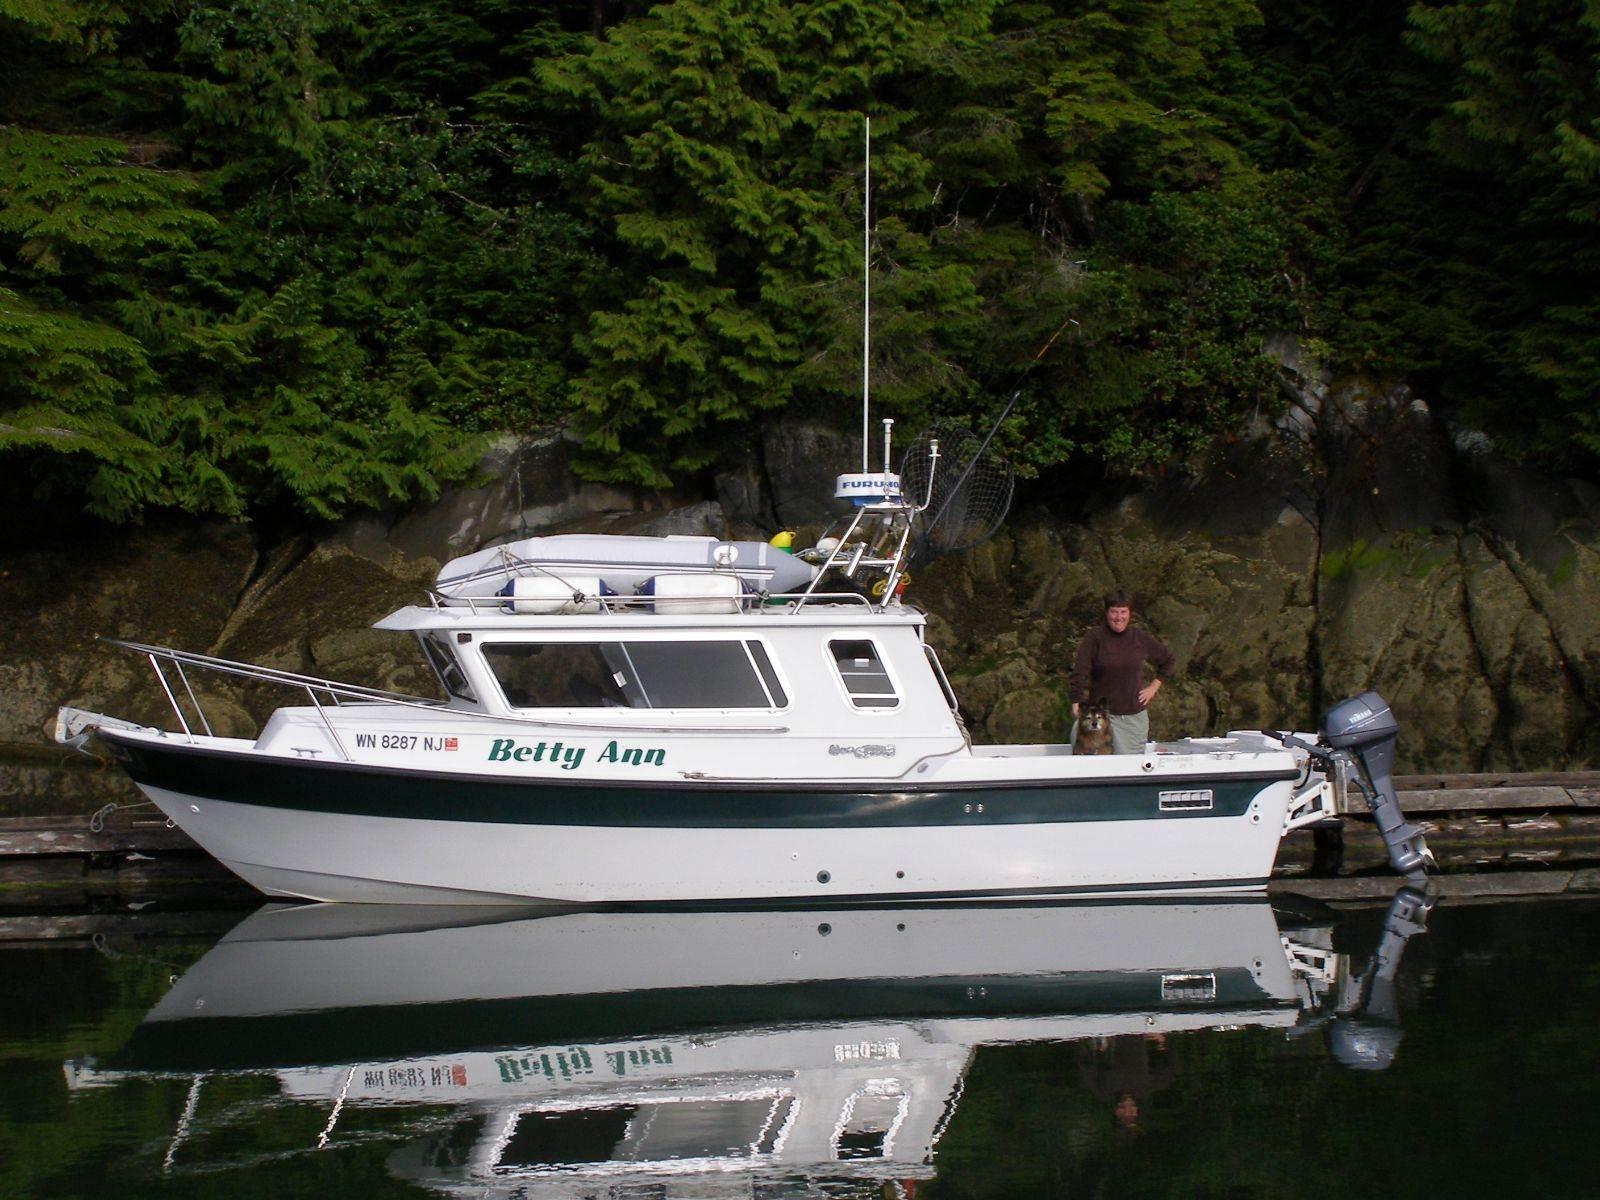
[(442, 658), (653, 674)]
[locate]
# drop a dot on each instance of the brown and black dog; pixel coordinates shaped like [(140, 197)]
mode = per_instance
[(1094, 730)]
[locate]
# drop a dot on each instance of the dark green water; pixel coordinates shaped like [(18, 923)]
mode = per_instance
[(1137, 1050)]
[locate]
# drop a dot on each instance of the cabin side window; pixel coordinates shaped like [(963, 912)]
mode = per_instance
[(442, 658), (718, 1128), (863, 674), (643, 674), (562, 675), (758, 655), (697, 675)]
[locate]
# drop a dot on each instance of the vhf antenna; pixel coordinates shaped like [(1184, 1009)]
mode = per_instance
[(866, 300)]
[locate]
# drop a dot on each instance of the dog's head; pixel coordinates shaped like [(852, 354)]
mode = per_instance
[(1094, 718)]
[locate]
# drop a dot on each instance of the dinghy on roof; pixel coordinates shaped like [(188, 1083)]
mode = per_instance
[(621, 562)]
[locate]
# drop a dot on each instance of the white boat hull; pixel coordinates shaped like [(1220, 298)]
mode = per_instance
[(364, 858), (699, 1053), (307, 959)]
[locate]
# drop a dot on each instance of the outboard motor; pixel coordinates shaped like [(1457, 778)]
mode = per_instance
[(1366, 1033), (1365, 730)]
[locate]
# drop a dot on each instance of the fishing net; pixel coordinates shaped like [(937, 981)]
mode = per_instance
[(971, 490)]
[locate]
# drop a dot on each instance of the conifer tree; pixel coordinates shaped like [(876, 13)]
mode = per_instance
[(726, 162), (296, 261), (293, 256), (1038, 164), (1519, 130)]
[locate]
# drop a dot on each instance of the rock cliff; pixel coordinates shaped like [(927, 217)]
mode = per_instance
[(1356, 544)]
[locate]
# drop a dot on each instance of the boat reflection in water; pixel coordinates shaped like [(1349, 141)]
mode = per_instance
[(707, 1053)]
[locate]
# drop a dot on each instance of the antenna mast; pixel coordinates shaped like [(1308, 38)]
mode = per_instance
[(866, 295)]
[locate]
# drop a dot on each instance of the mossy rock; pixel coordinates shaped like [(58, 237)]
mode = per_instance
[(160, 586)]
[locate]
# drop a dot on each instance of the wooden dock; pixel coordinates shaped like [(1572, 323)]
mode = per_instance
[(1549, 791), (122, 832)]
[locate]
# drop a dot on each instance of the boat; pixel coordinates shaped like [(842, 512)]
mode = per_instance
[(690, 1053), (689, 720), (630, 720)]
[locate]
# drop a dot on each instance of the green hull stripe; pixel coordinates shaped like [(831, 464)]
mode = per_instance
[(417, 1030), (1131, 892), (359, 790)]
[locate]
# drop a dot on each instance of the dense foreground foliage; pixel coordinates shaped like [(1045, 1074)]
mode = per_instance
[(292, 255)]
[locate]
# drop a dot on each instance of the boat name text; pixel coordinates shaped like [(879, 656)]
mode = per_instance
[(569, 758), (576, 1061)]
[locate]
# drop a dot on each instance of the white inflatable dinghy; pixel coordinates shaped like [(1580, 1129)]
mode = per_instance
[(622, 562)]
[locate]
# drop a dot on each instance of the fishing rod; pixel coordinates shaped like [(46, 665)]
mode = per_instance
[(954, 491)]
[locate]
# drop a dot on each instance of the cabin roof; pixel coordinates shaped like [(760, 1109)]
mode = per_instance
[(488, 618)]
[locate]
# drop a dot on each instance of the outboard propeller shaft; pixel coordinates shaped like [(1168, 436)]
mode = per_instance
[(1366, 1033), (1365, 730)]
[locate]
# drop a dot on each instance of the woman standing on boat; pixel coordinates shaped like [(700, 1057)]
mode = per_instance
[(1110, 670)]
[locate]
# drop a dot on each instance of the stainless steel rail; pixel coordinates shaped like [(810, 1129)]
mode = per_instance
[(316, 687), (850, 555), (751, 602), (311, 684)]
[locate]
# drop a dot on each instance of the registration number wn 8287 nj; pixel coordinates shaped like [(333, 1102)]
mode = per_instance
[(404, 741)]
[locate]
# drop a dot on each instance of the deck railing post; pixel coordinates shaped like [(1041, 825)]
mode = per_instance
[(895, 571), (193, 699), (171, 699), (185, 1119), (332, 732), (833, 557)]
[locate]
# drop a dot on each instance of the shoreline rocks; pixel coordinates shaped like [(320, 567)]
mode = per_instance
[(1361, 546)]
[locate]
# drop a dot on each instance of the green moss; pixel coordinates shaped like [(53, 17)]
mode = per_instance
[(1360, 557), (1401, 556)]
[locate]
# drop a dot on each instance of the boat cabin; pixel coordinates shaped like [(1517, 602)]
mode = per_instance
[(807, 668), (630, 690)]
